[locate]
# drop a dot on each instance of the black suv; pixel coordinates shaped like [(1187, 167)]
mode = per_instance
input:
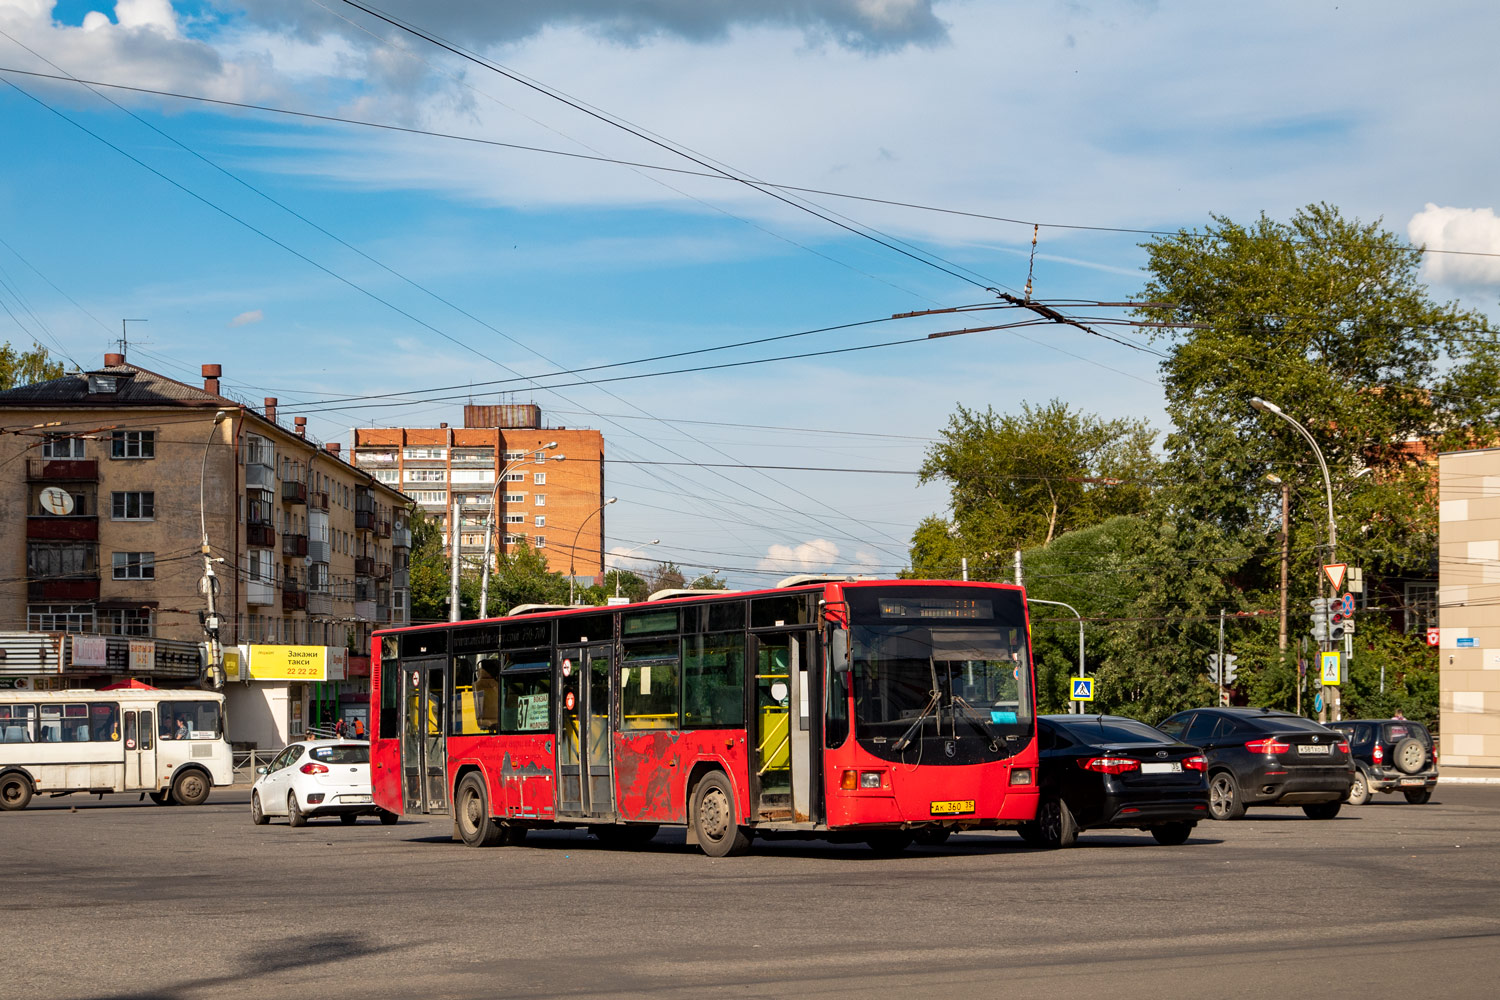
[(1262, 757), (1390, 755)]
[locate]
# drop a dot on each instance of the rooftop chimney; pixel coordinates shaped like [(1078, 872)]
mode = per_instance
[(301, 423), (333, 448), (211, 375), (443, 426), (113, 360), (271, 408)]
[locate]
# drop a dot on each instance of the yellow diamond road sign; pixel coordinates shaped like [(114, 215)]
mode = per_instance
[(1083, 689)]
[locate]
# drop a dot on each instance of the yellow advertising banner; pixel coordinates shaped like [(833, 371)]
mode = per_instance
[(288, 663)]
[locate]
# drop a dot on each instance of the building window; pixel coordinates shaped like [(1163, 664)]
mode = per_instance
[(1421, 606), (540, 457), (132, 444), (132, 506), (424, 453), (540, 541), (514, 539), (62, 446), (539, 478), (515, 518), (135, 565), (515, 498), (426, 476), (541, 520), (125, 621), (541, 499), (60, 617), (515, 477), (61, 560), (387, 476)]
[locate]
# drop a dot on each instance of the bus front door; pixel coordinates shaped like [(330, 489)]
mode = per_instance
[(424, 751), (140, 750), (782, 724), (585, 782)]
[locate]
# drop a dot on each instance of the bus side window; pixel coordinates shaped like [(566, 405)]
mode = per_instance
[(835, 706)]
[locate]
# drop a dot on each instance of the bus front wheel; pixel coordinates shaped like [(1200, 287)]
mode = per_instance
[(714, 818), (15, 791), (191, 788), (476, 826)]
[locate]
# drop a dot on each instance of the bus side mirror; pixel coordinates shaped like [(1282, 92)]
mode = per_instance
[(838, 651)]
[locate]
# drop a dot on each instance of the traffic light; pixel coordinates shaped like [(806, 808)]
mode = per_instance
[(1320, 619), (1337, 620)]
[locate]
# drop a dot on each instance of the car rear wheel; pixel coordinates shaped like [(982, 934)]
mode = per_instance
[(1055, 823), (1418, 796), (257, 814), (294, 815), (1172, 834), (1322, 810), (191, 788), (15, 791), (1409, 755), (1224, 798), (476, 827), (1359, 792)]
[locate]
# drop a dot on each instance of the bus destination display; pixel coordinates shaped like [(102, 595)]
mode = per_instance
[(934, 607)]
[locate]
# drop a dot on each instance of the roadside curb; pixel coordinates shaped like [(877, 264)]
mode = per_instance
[(1468, 781)]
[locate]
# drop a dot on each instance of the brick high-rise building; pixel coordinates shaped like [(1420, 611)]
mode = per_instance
[(547, 502)]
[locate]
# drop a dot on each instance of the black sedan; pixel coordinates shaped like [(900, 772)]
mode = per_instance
[(1262, 757), (1108, 771)]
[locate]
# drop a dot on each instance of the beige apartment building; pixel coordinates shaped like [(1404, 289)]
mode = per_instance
[(113, 477), (543, 485), (1469, 607)]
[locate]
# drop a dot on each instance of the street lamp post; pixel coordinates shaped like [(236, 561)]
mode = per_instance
[(210, 583), (573, 549), (1075, 706), (1265, 406), (489, 526), (654, 541)]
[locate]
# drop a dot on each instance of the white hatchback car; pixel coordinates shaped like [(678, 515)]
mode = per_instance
[(316, 778)]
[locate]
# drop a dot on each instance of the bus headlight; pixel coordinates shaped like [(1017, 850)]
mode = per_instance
[(1021, 776)]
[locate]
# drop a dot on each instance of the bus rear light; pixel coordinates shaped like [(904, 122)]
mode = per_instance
[(1110, 765), (1021, 776), (1196, 763), (1268, 745), (849, 781), (311, 768), (871, 779)]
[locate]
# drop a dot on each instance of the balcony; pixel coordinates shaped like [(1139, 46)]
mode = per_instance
[(364, 566), (401, 538), (294, 545), (317, 550), (62, 470), (293, 598), (317, 500), (260, 592), (364, 520), (382, 571), (75, 588), (259, 476), (401, 579), (319, 604), (383, 527), (52, 527), (260, 536), (293, 491), (374, 458), (365, 610)]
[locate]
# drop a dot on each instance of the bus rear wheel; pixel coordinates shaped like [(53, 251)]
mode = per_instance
[(719, 836), (190, 788), (476, 827), (15, 791)]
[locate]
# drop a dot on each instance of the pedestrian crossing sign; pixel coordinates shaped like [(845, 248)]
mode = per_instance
[(1083, 689)]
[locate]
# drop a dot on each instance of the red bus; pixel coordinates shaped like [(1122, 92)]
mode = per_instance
[(875, 711)]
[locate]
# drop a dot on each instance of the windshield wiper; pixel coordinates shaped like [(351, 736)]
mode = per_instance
[(932, 703)]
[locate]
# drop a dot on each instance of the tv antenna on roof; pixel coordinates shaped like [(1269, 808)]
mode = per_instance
[(124, 340)]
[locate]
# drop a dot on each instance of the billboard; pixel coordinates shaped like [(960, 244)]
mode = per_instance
[(289, 663)]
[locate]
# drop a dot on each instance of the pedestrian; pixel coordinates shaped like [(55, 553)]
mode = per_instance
[(359, 728), (338, 729), (1398, 715)]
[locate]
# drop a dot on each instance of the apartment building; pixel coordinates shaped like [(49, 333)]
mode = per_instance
[(119, 473), (543, 485), (1469, 607)]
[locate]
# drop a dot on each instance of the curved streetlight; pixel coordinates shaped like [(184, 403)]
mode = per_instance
[(210, 583), (654, 541), (489, 526), (573, 549), (1076, 706)]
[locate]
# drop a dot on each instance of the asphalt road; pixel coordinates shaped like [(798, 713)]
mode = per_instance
[(116, 898)]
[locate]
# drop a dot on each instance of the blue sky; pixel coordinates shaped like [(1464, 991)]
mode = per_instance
[(1114, 115)]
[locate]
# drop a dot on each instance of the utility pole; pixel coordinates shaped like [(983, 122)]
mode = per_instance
[(1219, 663), (1286, 557), (453, 539)]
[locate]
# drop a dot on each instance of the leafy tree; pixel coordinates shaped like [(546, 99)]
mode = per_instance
[(429, 570), (522, 577), (708, 581), (666, 576), (25, 368), (1021, 480), (627, 583)]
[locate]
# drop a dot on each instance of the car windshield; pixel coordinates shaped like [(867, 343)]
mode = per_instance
[(343, 753), (918, 680), (1098, 730)]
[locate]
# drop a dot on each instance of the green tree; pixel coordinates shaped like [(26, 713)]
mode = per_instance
[(1017, 481), (429, 570), (18, 368), (522, 577)]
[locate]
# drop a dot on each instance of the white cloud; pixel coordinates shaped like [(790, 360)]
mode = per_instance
[(1442, 227), (813, 556), (246, 318), (626, 557)]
